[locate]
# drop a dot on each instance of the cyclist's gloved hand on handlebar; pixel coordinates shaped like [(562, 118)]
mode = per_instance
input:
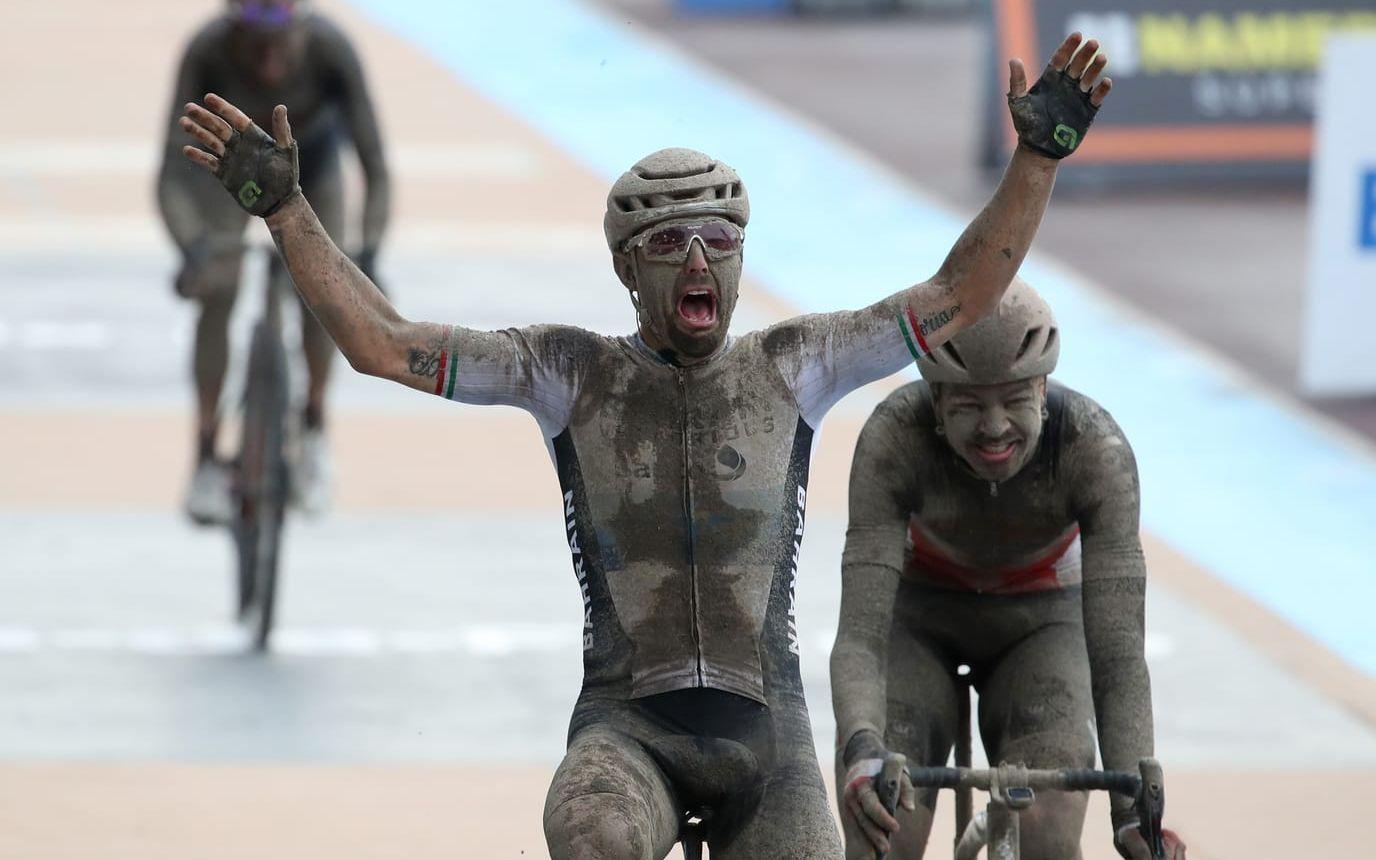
[(1130, 844), (259, 170), (860, 802)]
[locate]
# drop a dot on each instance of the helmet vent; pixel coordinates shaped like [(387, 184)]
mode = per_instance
[(950, 350), (1026, 343), (1050, 340), (644, 173)]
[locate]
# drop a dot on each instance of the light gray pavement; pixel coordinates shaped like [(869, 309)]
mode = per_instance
[(417, 637)]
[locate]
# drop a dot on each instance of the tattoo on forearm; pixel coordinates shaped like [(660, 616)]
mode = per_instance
[(424, 362), (939, 320)]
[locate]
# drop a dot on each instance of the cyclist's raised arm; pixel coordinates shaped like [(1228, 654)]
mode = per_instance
[(842, 351), (1105, 497), (519, 367), (882, 495), (347, 76)]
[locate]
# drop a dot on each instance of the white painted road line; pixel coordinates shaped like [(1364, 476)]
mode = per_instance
[(59, 334), (493, 640), (100, 235), (64, 158), (496, 640)]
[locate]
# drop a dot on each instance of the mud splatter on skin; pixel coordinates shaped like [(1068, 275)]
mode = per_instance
[(1083, 473), (657, 285)]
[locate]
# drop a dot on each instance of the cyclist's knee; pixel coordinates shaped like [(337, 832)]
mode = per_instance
[(608, 800), (604, 826), (217, 304)]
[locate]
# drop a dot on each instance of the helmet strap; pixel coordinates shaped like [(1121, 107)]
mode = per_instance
[(642, 319)]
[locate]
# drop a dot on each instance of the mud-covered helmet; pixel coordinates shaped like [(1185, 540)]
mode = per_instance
[(1018, 340), (672, 183)]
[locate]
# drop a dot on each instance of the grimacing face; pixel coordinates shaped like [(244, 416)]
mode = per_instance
[(686, 306), (993, 428)]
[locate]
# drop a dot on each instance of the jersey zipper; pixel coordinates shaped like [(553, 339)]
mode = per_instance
[(692, 536)]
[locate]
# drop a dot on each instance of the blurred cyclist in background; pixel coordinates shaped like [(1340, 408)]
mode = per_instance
[(261, 53), (993, 523)]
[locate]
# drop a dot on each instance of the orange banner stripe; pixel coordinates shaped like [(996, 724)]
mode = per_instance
[(1153, 144), (1183, 143)]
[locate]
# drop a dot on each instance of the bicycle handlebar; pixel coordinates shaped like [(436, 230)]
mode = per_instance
[(1147, 788), (1118, 782)]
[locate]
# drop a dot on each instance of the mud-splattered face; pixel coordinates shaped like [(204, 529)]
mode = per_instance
[(686, 306), (994, 428)]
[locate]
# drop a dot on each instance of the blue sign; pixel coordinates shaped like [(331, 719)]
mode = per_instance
[(1367, 225)]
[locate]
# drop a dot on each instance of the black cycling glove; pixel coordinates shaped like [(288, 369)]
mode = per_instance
[(1054, 115), (260, 174)]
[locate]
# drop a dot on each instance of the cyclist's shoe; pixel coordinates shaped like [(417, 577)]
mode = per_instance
[(312, 482), (209, 500)]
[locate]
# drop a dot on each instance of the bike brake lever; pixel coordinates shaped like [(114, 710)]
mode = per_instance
[(886, 785), (1151, 806)]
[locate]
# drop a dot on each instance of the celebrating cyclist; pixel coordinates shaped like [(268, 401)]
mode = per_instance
[(682, 454), (993, 524), (260, 53)]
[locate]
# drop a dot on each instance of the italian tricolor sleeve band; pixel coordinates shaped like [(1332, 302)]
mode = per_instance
[(912, 334), (448, 369)]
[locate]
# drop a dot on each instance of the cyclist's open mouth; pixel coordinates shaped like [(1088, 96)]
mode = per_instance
[(698, 308), (996, 452)]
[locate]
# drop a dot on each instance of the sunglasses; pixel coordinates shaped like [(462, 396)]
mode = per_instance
[(265, 13), (720, 239)]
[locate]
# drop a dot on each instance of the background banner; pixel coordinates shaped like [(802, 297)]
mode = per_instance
[(1219, 88)]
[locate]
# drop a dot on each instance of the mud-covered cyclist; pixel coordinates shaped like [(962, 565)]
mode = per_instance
[(993, 524), (682, 454), (258, 54)]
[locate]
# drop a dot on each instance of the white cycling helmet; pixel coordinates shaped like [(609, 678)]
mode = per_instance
[(1018, 340), (672, 183)]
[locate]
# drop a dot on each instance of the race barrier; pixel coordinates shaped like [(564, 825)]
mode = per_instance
[(1339, 354)]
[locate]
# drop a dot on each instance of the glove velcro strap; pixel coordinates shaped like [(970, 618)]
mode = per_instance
[(258, 173)]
